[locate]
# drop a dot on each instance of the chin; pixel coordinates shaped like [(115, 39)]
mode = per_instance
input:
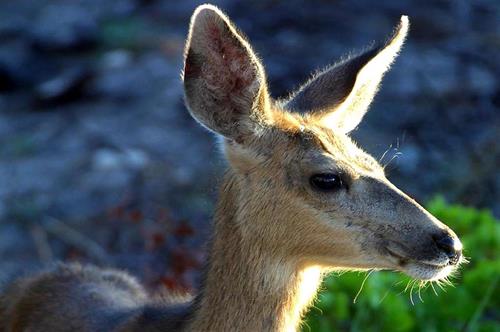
[(427, 272)]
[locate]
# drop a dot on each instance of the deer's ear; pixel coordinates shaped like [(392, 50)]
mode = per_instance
[(341, 94), (224, 81)]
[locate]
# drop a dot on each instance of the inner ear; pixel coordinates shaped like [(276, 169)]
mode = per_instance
[(223, 79)]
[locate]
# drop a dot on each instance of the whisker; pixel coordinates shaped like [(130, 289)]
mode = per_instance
[(448, 282), (306, 325), (420, 285), (433, 289), (394, 157), (465, 260), (362, 285), (407, 286), (397, 283), (383, 155), (411, 293), (439, 283), (383, 297)]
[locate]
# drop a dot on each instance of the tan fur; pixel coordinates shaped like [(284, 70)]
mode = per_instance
[(275, 234)]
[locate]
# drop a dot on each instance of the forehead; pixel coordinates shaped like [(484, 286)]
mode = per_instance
[(341, 149), (311, 145)]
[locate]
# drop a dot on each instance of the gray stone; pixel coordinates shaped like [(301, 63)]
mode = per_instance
[(437, 71), (116, 59), (67, 86), (20, 67), (107, 159), (64, 27), (13, 240), (3, 208), (481, 81)]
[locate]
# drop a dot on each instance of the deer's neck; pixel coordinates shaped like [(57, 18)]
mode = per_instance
[(245, 288)]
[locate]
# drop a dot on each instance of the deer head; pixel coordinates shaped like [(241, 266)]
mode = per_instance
[(306, 193)]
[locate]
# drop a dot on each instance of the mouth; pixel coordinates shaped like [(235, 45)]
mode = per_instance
[(421, 269)]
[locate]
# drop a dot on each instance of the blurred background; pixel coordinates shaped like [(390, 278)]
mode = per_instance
[(100, 161)]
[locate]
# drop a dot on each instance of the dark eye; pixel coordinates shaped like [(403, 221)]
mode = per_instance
[(326, 181)]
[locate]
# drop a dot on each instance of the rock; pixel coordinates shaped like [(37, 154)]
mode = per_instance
[(120, 83), (440, 71), (13, 241), (402, 81), (116, 59), (5, 129), (67, 86), (481, 81), (12, 25), (289, 39), (64, 28), (107, 159), (425, 71), (21, 68), (6, 80), (3, 209), (120, 77)]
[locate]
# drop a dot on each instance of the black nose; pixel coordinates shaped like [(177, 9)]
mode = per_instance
[(450, 245)]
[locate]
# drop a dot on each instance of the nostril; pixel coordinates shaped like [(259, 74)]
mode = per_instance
[(449, 245)]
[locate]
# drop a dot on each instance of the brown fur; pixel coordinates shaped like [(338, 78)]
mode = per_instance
[(275, 235)]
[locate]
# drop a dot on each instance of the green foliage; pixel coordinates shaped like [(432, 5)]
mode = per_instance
[(131, 33), (471, 305)]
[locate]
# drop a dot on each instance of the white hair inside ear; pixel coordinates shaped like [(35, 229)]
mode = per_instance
[(347, 116)]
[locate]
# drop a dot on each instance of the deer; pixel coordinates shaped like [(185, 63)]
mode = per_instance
[(299, 199)]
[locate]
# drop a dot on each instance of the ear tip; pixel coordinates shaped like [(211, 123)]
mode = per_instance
[(400, 32), (404, 21), (404, 24), (207, 12)]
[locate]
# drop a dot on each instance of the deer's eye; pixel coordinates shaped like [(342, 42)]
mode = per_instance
[(326, 182)]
